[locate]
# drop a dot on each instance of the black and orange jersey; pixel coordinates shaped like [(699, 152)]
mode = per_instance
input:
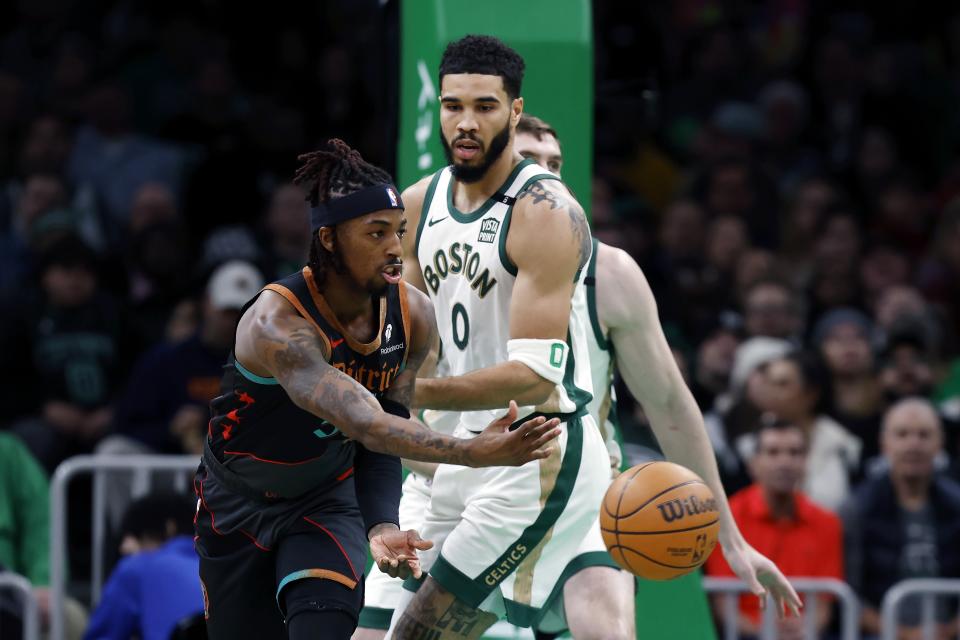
[(276, 448)]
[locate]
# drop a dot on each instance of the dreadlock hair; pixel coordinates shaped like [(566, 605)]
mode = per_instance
[(329, 173), (485, 55)]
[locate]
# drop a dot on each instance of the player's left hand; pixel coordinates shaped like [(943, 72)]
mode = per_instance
[(395, 552), (763, 577)]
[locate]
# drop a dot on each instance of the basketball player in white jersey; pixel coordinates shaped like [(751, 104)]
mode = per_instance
[(502, 277), (598, 581), (598, 596)]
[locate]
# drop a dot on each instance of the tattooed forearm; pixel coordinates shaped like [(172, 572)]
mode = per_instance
[(296, 356), (437, 615), (540, 192)]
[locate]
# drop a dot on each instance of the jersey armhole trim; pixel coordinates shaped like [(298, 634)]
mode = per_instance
[(602, 340), (251, 376), (405, 314), (292, 299), (508, 216), (425, 210)]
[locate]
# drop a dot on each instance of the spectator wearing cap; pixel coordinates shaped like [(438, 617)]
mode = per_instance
[(844, 339), (736, 412), (904, 523), (68, 353), (165, 406), (792, 390), (164, 409), (906, 365), (156, 585)]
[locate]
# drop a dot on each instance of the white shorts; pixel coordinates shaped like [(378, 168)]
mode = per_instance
[(381, 592), (503, 536)]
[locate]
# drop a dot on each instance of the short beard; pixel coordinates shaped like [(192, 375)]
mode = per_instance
[(474, 174)]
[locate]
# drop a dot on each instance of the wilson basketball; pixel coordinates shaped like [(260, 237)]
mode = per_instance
[(659, 520)]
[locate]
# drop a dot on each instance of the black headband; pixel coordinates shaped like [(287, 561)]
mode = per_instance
[(367, 200)]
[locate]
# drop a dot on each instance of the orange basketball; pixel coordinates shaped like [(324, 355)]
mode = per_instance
[(659, 520)]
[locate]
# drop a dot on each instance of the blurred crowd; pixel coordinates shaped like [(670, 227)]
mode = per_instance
[(787, 176), (786, 173)]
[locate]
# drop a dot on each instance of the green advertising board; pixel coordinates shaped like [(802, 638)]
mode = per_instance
[(555, 38)]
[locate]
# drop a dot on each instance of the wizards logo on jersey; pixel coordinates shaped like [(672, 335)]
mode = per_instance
[(374, 380), (459, 259)]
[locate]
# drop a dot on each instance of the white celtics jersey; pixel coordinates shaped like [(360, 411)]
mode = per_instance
[(468, 275), (603, 406)]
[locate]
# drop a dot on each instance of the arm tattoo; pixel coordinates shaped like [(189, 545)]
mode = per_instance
[(297, 357), (438, 615), (538, 192)]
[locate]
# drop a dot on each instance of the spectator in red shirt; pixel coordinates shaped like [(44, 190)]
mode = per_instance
[(782, 523)]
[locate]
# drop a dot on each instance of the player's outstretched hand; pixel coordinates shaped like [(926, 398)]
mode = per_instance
[(498, 446), (763, 577), (395, 552)]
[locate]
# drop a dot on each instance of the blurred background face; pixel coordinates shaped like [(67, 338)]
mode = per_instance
[(911, 440), (768, 311), (731, 191), (41, 194), (47, 146), (906, 372), (756, 388), (899, 302), (781, 457), (847, 351), (812, 199), (545, 151), (69, 286), (681, 231), (882, 269), (219, 325), (152, 204), (726, 242), (785, 392), (288, 218), (715, 360), (839, 244)]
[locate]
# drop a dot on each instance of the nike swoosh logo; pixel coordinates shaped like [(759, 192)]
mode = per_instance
[(336, 343), (430, 223)]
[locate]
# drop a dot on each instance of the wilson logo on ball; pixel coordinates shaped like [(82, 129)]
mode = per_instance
[(677, 509)]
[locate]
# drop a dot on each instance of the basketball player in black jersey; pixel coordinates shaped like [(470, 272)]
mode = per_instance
[(300, 467)]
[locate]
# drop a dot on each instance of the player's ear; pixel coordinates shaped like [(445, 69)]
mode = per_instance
[(326, 238), (517, 108)]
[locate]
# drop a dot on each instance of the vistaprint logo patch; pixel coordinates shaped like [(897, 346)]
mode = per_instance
[(488, 230)]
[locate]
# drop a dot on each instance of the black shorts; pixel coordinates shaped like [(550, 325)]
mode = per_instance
[(250, 552)]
